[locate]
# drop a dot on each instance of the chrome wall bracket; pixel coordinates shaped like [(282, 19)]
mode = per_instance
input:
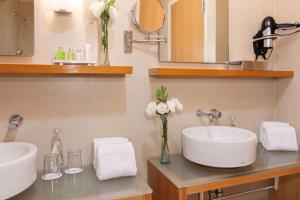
[(128, 40)]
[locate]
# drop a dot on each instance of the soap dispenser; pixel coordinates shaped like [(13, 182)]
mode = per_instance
[(57, 147)]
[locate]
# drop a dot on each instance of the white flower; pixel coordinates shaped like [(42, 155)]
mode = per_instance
[(179, 105), (162, 108), (113, 13), (151, 109), (97, 8), (172, 106)]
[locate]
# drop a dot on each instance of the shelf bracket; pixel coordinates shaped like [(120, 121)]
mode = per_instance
[(128, 40)]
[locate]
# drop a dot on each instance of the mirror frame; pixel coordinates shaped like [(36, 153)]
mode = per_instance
[(136, 24)]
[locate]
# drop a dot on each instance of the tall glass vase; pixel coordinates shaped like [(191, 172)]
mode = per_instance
[(104, 57), (165, 154), (103, 35)]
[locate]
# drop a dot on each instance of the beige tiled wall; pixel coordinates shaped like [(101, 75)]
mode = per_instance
[(287, 58), (89, 107)]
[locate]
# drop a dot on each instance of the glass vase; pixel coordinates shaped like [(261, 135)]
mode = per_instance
[(104, 57), (103, 44), (165, 154)]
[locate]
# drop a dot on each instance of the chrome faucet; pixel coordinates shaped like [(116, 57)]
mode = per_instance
[(14, 122), (213, 115)]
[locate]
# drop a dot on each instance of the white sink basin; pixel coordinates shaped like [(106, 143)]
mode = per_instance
[(17, 168), (219, 146)]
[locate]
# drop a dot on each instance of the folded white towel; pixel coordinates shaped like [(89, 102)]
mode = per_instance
[(116, 160), (108, 140), (267, 124), (280, 138)]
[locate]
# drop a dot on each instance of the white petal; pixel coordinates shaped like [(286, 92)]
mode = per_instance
[(172, 106), (179, 105), (151, 109), (113, 13), (162, 108), (97, 8)]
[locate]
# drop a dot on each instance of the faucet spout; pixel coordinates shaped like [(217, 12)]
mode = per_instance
[(14, 122), (213, 115)]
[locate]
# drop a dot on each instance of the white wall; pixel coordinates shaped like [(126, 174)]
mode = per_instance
[(245, 19), (287, 58)]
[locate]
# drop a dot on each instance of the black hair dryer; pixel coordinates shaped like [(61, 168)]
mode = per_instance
[(263, 40)]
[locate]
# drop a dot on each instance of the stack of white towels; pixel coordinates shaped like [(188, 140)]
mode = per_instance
[(113, 158), (278, 136)]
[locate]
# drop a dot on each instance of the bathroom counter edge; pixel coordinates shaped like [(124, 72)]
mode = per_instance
[(86, 186), (185, 174)]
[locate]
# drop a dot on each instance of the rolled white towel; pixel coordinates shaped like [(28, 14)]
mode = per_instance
[(267, 124), (116, 160), (280, 138), (108, 140)]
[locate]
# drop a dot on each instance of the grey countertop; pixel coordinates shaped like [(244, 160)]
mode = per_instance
[(184, 173), (85, 186)]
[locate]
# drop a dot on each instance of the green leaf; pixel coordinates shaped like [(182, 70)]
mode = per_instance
[(161, 94)]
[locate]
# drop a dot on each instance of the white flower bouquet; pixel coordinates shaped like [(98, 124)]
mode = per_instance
[(163, 107), (106, 11)]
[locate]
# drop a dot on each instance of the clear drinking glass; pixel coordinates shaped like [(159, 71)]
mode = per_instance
[(74, 165), (51, 167)]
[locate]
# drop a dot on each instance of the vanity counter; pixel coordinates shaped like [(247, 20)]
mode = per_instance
[(86, 186), (185, 177)]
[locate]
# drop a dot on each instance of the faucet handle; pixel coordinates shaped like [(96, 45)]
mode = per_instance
[(215, 114)]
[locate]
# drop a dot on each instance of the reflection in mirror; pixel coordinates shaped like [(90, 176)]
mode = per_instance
[(198, 31), (148, 15), (17, 22)]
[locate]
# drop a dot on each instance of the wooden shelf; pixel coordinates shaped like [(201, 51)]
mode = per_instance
[(37, 69), (184, 72)]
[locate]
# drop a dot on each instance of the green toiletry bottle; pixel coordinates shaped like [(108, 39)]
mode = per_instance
[(58, 53), (62, 54)]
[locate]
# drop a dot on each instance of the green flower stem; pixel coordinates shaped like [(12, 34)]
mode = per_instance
[(105, 40), (105, 23)]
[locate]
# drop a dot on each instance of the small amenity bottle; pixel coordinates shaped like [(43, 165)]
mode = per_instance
[(69, 55), (79, 55), (57, 147), (58, 53)]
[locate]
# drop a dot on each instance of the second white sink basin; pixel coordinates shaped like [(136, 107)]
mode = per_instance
[(219, 146), (17, 168)]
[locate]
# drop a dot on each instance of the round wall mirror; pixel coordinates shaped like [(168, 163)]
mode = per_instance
[(148, 16)]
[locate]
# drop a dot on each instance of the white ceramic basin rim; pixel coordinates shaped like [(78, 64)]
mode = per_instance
[(17, 168), (219, 146), (219, 134)]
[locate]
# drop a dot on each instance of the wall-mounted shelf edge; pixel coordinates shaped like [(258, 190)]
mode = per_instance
[(40, 69), (193, 72)]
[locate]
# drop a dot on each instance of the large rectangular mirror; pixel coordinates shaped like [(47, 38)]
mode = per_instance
[(17, 22), (197, 31)]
